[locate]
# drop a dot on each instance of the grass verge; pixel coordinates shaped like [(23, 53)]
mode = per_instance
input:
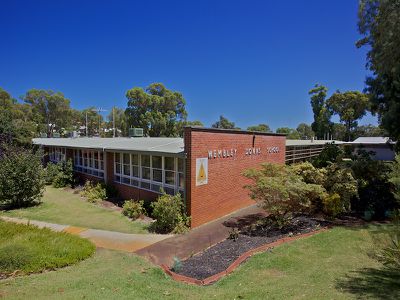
[(64, 207), (28, 249), (319, 267)]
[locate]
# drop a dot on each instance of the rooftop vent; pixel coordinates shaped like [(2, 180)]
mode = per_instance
[(135, 132)]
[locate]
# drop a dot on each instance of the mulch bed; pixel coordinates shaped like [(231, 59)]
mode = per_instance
[(219, 257)]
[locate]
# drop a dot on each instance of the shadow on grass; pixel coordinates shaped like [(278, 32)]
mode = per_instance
[(383, 283)]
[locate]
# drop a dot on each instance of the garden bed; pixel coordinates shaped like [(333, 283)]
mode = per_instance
[(219, 257)]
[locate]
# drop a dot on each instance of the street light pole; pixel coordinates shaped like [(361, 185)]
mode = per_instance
[(113, 113)]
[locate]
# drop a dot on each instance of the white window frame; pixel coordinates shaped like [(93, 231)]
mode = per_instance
[(147, 184), (57, 154), (79, 162)]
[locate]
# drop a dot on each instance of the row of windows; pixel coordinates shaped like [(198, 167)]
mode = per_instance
[(89, 162), (150, 172), (57, 154)]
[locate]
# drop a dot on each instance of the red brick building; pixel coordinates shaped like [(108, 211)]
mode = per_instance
[(205, 166)]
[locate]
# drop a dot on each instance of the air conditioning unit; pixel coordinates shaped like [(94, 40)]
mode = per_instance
[(56, 135), (43, 135), (135, 132)]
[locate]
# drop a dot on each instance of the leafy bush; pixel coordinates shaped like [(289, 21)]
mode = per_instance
[(133, 209), (339, 180), (374, 186), (21, 177), (394, 177), (333, 205), (60, 174), (281, 192), (94, 192), (51, 172), (169, 214), (330, 154), (65, 175)]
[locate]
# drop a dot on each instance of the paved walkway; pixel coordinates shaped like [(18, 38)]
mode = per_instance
[(101, 238), (198, 239)]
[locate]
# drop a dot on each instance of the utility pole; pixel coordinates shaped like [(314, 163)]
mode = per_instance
[(87, 134), (113, 115), (98, 110)]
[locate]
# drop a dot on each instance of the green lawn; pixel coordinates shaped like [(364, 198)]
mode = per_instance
[(331, 265), (30, 249), (64, 207)]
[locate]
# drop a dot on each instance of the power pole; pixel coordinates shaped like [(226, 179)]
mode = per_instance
[(113, 115)]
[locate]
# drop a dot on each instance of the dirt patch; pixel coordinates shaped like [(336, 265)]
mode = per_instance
[(220, 256), (110, 205)]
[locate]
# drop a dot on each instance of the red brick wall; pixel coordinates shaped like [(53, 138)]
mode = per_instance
[(225, 190)]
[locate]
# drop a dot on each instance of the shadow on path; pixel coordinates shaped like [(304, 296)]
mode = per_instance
[(378, 283)]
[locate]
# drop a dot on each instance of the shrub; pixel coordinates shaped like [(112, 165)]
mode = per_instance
[(330, 154), (51, 172), (394, 177), (94, 192), (281, 192), (133, 209), (374, 186), (65, 174), (169, 214), (339, 180), (333, 205), (21, 177)]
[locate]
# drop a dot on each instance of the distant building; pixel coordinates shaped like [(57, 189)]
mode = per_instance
[(305, 150), (381, 148)]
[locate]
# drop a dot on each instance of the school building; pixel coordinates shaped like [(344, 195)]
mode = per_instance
[(205, 166)]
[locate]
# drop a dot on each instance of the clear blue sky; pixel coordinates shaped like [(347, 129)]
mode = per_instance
[(252, 61)]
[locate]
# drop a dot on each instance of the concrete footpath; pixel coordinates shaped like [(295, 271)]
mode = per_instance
[(128, 242), (198, 239)]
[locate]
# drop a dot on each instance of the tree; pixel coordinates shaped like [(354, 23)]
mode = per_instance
[(21, 177), (379, 23), (118, 117), (349, 106), (338, 131), (369, 130), (156, 109), (322, 124), (15, 121), (51, 110), (194, 123), (223, 123), (305, 131), (291, 133), (260, 128), (95, 121)]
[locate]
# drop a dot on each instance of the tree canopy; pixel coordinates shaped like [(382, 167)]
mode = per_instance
[(259, 127), (349, 106), (156, 109), (51, 110), (305, 131), (322, 124), (224, 123), (379, 23), (291, 133)]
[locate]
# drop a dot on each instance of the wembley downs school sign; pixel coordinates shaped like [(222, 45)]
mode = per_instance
[(227, 153)]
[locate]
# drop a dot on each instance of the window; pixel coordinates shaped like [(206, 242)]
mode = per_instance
[(57, 154), (150, 172), (89, 162)]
